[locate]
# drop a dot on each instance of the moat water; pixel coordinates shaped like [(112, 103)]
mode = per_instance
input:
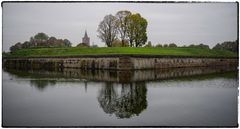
[(173, 97)]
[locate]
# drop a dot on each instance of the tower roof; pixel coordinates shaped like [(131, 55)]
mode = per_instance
[(85, 34)]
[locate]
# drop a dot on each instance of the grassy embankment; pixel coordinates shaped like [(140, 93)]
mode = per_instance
[(74, 51)]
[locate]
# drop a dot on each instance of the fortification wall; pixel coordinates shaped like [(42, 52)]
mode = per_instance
[(117, 62)]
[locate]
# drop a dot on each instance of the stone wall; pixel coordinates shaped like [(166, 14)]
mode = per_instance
[(156, 63), (116, 63), (91, 63)]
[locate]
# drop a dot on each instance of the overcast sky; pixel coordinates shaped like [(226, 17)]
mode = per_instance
[(182, 23)]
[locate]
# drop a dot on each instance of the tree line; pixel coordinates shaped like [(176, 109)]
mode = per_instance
[(41, 40), (227, 45), (175, 45), (130, 28)]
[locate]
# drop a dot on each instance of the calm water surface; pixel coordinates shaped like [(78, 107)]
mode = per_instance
[(165, 98)]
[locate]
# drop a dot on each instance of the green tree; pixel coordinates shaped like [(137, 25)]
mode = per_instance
[(118, 43), (26, 44), (199, 46), (67, 43), (41, 36), (122, 22), (172, 45), (31, 40), (203, 46), (137, 30), (159, 45), (165, 45), (107, 30), (149, 44), (192, 45), (227, 45), (16, 47)]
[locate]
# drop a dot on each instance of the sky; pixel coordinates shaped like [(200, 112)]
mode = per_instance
[(179, 23)]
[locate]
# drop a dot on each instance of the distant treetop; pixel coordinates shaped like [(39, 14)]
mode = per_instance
[(41, 36)]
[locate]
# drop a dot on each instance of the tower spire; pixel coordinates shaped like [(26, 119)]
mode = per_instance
[(86, 39), (85, 34)]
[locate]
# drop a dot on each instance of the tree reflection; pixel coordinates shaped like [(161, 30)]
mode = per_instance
[(42, 84), (129, 101)]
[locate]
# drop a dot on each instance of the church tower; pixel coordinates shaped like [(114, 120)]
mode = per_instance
[(86, 39)]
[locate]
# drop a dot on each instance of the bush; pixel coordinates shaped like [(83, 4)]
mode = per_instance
[(228, 45)]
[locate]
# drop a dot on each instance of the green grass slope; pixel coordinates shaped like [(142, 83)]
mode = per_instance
[(74, 51)]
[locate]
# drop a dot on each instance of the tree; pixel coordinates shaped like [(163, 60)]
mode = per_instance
[(165, 45), (26, 44), (51, 41), (118, 43), (107, 29), (16, 47), (82, 45), (31, 40), (217, 46), (159, 45), (52, 38), (203, 46), (137, 30), (41, 36), (172, 45), (41, 40), (227, 45), (199, 46), (149, 44), (122, 22), (67, 43), (192, 45)]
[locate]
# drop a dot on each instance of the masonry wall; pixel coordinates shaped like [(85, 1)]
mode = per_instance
[(157, 63), (116, 63)]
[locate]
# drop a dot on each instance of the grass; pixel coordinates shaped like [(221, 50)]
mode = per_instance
[(75, 51)]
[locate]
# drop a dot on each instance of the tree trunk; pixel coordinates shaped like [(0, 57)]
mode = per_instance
[(122, 43), (131, 43)]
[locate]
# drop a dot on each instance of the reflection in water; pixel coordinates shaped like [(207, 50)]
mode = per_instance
[(130, 101), (42, 84), (44, 78), (184, 96), (118, 76), (124, 92)]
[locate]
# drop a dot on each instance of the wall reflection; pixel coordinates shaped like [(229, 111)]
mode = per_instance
[(44, 78), (124, 101), (124, 93)]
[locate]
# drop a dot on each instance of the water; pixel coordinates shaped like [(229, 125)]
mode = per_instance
[(173, 97)]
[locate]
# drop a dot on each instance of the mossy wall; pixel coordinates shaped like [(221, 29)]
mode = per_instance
[(116, 63), (157, 63)]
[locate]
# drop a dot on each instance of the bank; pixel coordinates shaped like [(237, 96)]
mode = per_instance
[(117, 62)]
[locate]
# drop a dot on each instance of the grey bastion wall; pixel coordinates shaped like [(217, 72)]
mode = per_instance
[(117, 62)]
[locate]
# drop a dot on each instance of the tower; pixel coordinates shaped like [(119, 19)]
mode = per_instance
[(86, 39)]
